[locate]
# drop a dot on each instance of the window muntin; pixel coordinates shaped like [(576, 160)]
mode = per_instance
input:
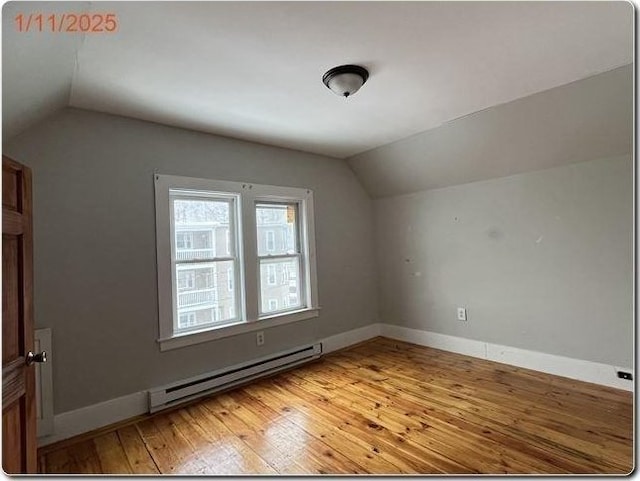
[(202, 265), (277, 265)]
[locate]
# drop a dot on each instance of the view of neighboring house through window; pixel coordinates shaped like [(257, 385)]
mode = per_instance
[(279, 254), (184, 240), (186, 279), (271, 274), (201, 224), (271, 241), (230, 279), (188, 319)]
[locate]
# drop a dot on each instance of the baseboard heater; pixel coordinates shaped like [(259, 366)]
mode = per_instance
[(188, 389)]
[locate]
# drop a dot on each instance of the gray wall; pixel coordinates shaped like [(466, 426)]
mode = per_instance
[(95, 269), (541, 260)]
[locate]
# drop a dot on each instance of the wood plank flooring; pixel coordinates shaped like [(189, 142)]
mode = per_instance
[(385, 407)]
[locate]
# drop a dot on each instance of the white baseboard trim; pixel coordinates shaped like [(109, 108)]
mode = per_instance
[(345, 339), (88, 418), (78, 421), (598, 373), (72, 423)]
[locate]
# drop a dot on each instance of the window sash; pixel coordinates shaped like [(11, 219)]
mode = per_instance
[(300, 241), (203, 196), (302, 295), (204, 262), (297, 229), (217, 288)]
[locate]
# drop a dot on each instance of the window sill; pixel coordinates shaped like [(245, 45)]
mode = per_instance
[(241, 327)]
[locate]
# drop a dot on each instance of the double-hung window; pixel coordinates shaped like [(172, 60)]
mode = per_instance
[(199, 268), (232, 257)]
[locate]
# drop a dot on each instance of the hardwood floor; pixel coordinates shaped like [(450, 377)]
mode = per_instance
[(380, 407)]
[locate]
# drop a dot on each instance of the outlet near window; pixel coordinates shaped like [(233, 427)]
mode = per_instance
[(260, 338)]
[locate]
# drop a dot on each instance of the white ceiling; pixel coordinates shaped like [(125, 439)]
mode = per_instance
[(253, 70)]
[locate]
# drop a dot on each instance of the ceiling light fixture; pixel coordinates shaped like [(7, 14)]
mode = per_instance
[(345, 80)]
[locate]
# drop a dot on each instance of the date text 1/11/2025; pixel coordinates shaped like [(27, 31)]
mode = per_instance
[(67, 22)]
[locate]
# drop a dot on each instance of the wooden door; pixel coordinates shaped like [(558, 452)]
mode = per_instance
[(18, 379)]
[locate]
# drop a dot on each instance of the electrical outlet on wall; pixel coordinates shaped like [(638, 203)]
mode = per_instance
[(260, 338), (462, 313)]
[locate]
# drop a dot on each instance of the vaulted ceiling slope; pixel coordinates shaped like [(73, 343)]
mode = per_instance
[(37, 67), (584, 120), (253, 70)]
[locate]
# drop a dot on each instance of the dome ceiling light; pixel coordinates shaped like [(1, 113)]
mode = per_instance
[(345, 80)]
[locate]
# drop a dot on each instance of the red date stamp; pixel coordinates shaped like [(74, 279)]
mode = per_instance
[(67, 22)]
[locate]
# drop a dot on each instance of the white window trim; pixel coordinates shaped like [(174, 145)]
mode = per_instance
[(239, 327), (247, 276)]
